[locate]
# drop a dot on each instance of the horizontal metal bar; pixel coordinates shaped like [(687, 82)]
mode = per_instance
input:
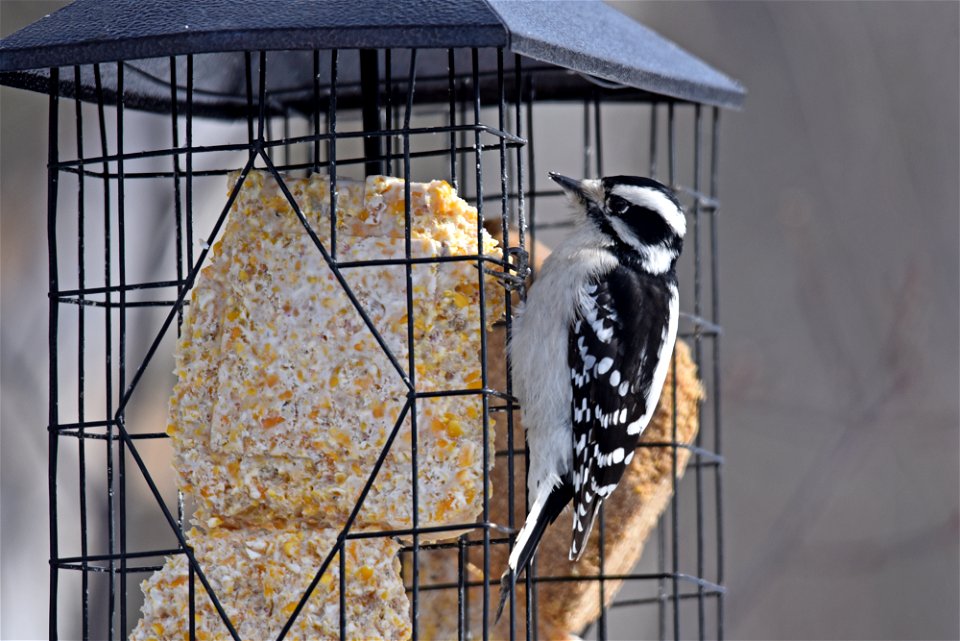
[(75, 432), (455, 545), (709, 587), (699, 451), (143, 569), (666, 598), (705, 464), (86, 425), (282, 142), (436, 587), (433, 153), (128, 287), (401, 132), (482, 391), (694, 449), (152, 153), (87, 291), (144, 554), (707, 204), (708, 334), (86, 302), (699, 321), (653, 576), (426, 260), (433, 529), (512, 195), (399, 83)]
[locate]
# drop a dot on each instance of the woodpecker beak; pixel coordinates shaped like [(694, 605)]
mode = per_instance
[(572, 186)]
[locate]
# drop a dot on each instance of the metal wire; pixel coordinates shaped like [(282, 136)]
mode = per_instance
[(81, 376), (494, 135), (53, 442)]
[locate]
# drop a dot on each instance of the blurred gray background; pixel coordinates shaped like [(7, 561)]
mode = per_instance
[(840, 281)]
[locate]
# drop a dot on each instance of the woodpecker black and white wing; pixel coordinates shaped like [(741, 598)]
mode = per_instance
[(619, 351)]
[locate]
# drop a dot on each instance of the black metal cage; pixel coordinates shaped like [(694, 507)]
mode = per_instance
[(144, 126)]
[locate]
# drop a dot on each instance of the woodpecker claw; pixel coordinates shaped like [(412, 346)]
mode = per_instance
[(510, 282), (519, 259), (514, 276)]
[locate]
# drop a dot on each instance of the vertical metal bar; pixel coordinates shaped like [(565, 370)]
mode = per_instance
[(388, 111), (452, 92), (504, 209), (661, 583), (462, 182), (671, 144), (370, 99), (189, 230), (598, 134), (81, 373), (715, 318), (587, 147), (122, 355), (286, 137), (661, 530), (192, 601), (602, 631), (531, 587), (602, 620), (478, 151), (411, 348), (508, 313), (316, 110), (332, 147), (463, 625), (654, 132), (521, 241), (532, 166), (248, 85), (189, 220), (697, 350), (510, 125), (675, 507), (108, 351), (177, 209), (397, 168), (343, 591), (53, 282), (521, 212), (262, 99)]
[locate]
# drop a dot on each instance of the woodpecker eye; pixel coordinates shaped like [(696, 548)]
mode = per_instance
[(617, 205)]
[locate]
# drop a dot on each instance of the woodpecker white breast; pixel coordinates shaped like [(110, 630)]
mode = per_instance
[(591, 347)]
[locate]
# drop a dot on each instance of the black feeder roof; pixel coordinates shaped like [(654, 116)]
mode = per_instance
[(573, 46)]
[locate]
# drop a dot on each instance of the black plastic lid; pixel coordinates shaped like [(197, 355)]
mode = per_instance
[(585, 37)]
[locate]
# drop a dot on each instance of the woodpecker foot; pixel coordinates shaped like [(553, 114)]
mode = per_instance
[(514, 277)]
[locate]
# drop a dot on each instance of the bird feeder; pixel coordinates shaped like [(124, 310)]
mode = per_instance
[(320, 216)]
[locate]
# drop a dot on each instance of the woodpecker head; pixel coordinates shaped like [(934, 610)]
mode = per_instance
[(637, 215)]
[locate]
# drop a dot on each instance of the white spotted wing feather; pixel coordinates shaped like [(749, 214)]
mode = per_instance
[(619, 351)]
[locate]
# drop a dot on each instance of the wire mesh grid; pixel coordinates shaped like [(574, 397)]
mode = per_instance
[(128, 236)]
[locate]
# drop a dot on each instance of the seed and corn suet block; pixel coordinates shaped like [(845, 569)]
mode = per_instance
[(285, 399), (259, 575)]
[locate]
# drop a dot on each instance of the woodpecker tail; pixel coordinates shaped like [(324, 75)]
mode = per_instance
[(582, 524), (545, 510)]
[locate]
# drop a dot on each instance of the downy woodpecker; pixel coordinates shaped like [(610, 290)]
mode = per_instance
[(590, 351)]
